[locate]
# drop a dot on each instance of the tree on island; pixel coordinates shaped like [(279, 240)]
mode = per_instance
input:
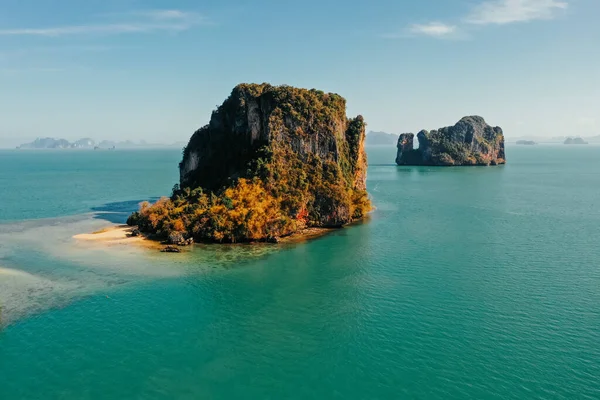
[(272, 161)]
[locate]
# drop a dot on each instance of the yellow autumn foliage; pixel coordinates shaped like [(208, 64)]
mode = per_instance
[(245, 211)]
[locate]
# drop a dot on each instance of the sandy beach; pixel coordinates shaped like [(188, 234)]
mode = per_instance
[(117, 235)]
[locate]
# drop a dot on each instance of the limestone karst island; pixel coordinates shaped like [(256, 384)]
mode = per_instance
[(273, 161), (470, 142)]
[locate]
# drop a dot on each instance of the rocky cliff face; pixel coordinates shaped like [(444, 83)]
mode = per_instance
[(258, 118), (470, 142), (274, 159), (270, 132)]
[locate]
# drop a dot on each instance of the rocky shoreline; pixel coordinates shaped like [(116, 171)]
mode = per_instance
[(125, 235)]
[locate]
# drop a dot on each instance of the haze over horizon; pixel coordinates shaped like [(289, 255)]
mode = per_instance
[(155, 70)]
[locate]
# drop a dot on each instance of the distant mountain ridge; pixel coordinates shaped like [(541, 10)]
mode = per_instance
[(47, 143), (87, 143), (554, 139), (576, 140), (381, 138)]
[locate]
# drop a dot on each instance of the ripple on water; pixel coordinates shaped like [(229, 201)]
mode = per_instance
[(466, 283)]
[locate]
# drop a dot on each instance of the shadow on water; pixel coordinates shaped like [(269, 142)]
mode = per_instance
[(118, 212)]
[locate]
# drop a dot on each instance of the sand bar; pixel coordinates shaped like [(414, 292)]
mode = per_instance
[(117, 235)]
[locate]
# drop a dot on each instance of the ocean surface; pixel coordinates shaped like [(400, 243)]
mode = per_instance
[(465, 283)]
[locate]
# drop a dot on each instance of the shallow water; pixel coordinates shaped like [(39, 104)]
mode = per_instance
[(465, 283)]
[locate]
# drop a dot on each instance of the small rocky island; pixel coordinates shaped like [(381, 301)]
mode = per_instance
[(526, 142), (470, 142), (576, 140), (273, 161)]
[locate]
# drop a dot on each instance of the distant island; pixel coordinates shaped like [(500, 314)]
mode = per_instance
[(87, 143), (273, 161), (470, 142), (50, 143), (526, 142), (554, 139), (576, 140), (381, 138)]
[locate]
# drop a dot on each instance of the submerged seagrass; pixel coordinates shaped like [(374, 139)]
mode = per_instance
[(272, 161), (470, 142)]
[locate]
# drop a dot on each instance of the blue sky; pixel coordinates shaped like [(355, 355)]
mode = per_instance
[(154, 70)]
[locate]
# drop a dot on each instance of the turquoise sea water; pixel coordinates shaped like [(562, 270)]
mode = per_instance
[(477, 282)]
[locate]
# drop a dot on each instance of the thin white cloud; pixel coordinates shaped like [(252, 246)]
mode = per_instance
[(146, 22), (501, 12), (489, 12), (113, 29), (434, 29), (437, 30), (166, 14)]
